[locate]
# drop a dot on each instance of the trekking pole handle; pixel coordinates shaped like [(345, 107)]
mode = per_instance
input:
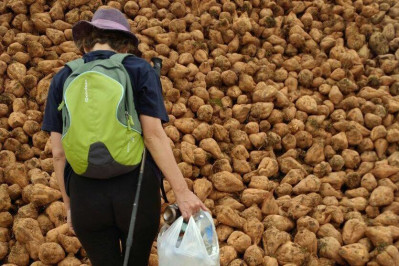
[(157, 64)]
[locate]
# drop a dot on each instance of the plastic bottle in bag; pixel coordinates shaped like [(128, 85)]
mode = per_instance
[(206, 230), (194, 243), (172, 212)]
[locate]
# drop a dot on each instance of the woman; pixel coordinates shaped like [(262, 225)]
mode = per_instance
[(98, 211)]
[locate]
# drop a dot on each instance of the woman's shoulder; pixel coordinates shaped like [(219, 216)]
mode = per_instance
[(63, 73), (60, 77)]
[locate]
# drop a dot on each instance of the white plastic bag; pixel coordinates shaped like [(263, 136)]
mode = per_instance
[(191, 251)]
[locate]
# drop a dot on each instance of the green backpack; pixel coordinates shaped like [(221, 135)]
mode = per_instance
[(101, 131)]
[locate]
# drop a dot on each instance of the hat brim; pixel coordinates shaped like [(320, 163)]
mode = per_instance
[(82, 28)]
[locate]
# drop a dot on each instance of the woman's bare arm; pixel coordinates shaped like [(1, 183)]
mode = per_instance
[(59, 164), (157, 143)]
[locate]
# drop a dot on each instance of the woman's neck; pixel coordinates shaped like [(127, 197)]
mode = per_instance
[(102, 46)]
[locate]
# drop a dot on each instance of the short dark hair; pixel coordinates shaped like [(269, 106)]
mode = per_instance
[(117, 40)]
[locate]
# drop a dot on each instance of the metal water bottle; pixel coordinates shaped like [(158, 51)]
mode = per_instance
[(171, 213)]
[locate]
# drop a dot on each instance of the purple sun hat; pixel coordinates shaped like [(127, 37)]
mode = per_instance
[(105, 19)]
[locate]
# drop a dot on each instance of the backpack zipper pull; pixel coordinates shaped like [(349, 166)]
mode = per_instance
[(61, 105), (129, 120)]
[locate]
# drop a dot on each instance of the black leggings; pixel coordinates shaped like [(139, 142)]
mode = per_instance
[(101, 211)]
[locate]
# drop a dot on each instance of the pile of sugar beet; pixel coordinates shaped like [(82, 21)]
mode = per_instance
[(283, 120)]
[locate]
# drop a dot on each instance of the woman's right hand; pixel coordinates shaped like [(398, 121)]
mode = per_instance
[(189, 204)]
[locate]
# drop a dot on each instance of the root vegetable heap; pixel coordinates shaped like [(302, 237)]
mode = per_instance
[(283, 120)]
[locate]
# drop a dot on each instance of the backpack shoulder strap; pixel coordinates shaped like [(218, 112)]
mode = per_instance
[(120, 57), (129, 102), (75, 64)]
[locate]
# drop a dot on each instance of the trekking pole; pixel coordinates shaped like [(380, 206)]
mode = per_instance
[(129, 241)]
